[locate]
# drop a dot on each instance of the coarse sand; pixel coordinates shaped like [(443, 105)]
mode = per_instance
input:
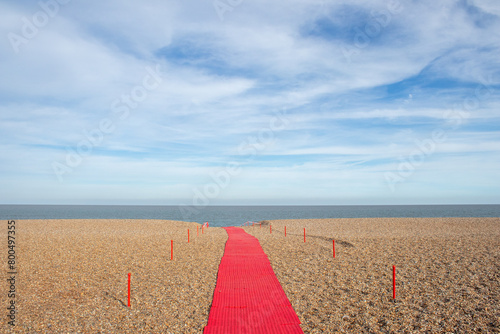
[(72, 274), (447, 273)]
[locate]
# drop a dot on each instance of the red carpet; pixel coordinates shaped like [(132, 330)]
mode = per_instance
[(248, 297)]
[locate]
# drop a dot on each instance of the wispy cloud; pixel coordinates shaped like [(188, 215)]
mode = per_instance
[(361, 85)]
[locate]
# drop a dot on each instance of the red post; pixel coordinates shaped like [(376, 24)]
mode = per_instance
[(128, 303), (171, 249), (197, 230), (188, 235), (393, 282), (333, 248), (270, 229), (285, 231), (304, 234), (260, 225)]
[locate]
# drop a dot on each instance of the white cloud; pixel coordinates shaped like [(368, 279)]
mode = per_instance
[(348, 121)]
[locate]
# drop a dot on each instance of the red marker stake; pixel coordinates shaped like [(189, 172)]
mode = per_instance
[(270, 229), (188, 235), (128, 303), (333, 248), (285, 231), (171, 249), (304, 234), (393, 282)]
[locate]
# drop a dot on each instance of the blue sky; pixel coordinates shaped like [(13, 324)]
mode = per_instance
[(250, 102)]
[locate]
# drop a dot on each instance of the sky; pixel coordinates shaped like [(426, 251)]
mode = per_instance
[(238, 102)]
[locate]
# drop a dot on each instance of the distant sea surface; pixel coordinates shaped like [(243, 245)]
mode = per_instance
[(237, 215)]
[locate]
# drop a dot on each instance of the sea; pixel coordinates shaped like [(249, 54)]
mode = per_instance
[(238, 215)]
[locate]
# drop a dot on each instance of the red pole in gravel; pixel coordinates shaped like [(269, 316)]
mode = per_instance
[(128, 303), (270, 229), (171, 249), (285, 231), (333, 248), (304, 234), (188, 235), (393, 282)]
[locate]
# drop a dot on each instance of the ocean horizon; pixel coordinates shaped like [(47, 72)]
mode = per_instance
[(237, 214)]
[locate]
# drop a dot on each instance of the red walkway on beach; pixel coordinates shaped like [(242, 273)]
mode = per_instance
[(248, 297)]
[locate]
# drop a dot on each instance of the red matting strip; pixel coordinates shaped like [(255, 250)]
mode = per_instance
[(248, 297)]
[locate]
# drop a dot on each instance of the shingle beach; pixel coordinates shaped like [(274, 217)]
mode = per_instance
[(72, 274), (447, 273)]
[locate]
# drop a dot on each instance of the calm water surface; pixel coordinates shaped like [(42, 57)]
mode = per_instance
[(237, 215)]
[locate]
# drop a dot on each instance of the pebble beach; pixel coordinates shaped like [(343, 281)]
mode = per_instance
[(72, 274), (447, 273)]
